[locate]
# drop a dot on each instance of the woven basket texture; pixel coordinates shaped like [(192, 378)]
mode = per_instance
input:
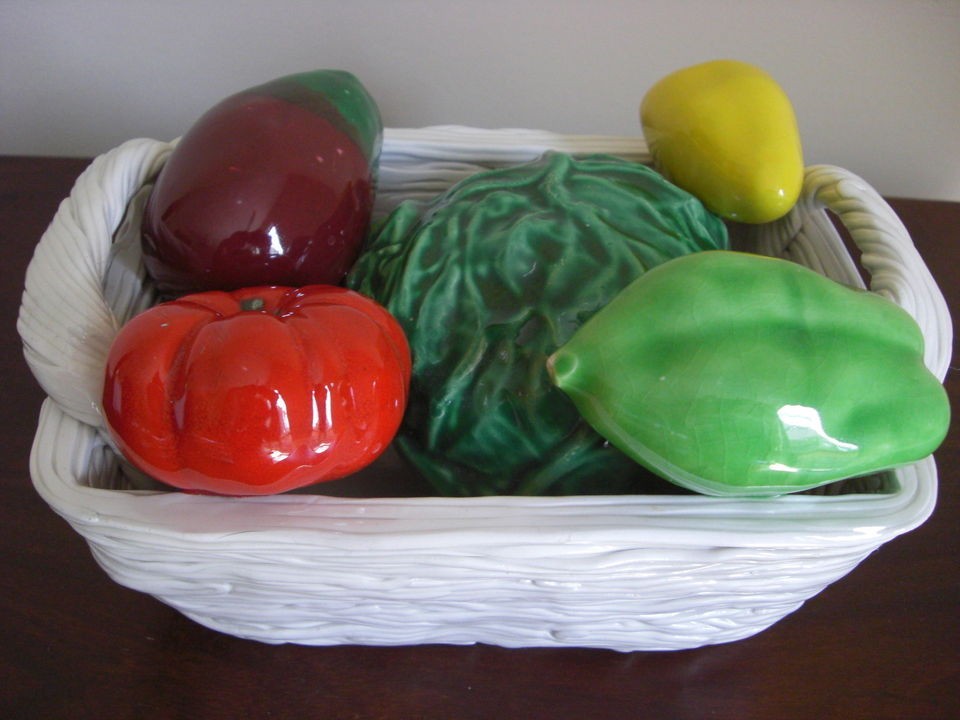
[(625, 573)]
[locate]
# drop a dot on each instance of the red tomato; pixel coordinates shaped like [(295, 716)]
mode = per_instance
[(259, 390)]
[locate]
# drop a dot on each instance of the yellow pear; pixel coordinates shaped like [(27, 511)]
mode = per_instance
[(726, 132)]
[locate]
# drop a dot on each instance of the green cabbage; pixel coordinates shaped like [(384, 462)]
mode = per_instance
[(488, 281)]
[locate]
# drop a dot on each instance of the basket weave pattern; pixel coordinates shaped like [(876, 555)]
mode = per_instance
[(626, 573)]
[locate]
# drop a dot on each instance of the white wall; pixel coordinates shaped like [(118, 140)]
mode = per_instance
[(875, 83)]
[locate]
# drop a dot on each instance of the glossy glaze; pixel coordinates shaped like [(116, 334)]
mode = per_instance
[(258, 391), (726, 131), (272, 186), (736, 374), (488, 281)]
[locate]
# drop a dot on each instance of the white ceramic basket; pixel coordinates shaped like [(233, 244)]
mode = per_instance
[(626, 573)]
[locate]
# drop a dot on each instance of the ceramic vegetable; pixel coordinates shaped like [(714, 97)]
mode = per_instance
[(726, 131), (272, 186), (490, 279), (735, 374), (257, 391)]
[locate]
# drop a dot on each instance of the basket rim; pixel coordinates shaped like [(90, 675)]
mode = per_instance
[(796, 521)]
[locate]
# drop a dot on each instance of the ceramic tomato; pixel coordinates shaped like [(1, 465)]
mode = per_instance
[(259, 390)]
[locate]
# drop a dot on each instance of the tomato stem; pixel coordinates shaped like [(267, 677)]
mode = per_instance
[(253, 304)]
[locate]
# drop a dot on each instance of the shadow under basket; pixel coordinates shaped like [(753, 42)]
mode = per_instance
[(625, 572)]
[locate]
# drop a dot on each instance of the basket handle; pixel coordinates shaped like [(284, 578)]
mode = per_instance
[(66, 321), (887, 252)]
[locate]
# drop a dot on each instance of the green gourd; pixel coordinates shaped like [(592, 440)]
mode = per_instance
[(492, 277), (734, 374)]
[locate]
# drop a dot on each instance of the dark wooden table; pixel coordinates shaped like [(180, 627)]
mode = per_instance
[(883, 642)]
